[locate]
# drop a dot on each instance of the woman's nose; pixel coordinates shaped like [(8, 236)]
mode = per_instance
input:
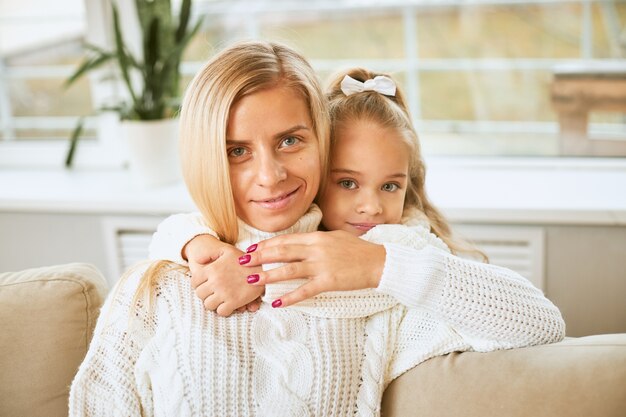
[(270, 170), (369, 203)]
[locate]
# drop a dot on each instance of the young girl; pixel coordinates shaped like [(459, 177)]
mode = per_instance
[(253, 124)]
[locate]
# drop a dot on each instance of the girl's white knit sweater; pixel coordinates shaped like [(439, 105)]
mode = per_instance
[(329, 356)]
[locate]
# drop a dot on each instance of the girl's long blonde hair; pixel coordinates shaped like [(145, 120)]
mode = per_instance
[(238, 71), (392, 112)]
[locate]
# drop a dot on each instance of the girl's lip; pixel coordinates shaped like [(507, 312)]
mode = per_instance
[(278, 202), (363, 226)]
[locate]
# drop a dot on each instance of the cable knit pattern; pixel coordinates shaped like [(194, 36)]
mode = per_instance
[(283, 374), (331, 356)]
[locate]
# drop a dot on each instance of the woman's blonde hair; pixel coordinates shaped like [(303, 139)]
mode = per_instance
[(236, 72), (392, 112)]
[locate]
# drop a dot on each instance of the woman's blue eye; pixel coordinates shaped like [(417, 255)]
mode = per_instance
[(290, 141), (237, 151), (390, 187), (347, 184)]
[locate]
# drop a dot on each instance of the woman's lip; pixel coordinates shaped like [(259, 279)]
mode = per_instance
[(277, 203)]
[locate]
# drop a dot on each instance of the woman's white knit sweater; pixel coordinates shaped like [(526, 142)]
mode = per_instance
[(330, 356)]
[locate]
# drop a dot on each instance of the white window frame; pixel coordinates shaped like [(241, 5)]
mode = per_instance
[(108, 150)]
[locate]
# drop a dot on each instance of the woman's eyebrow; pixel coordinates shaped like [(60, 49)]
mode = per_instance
[(290, 131), (278, 135), (237, 142)]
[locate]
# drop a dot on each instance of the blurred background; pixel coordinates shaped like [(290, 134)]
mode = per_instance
[(478, 72)]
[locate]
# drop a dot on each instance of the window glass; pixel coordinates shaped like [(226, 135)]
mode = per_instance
[(506, 31), (40, 46), (366, 34)]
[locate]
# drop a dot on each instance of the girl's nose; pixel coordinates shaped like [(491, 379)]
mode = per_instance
[(270, 170), (369, 203)]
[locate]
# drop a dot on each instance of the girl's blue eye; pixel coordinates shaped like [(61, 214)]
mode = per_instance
[(390, 187), (236, 152), (290, 141), (347, 184)]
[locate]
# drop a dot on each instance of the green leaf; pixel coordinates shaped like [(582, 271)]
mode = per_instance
[(96, 49), (78, 130), (183, 20), (86, 66), (151, 46), (174, 56)]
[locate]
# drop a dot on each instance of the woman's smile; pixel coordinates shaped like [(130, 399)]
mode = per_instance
[(279, 202)]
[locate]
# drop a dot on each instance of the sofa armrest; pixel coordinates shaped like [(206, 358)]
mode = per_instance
[(576, 377), (48, 316)]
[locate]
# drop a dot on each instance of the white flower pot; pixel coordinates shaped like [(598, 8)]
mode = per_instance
[(152, 151)]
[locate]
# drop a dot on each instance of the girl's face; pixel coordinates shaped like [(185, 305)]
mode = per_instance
[(274, 158), (368, 178)]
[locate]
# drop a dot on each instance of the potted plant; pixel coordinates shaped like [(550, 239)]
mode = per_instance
[(152, 84)]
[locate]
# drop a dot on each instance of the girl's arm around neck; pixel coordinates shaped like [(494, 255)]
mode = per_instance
[(173, 235), (217, 278), (489, 306)]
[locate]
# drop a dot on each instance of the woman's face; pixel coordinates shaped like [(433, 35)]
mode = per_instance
[(274, 158)]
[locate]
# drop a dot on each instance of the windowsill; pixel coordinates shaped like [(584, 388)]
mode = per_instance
[(467, 190)]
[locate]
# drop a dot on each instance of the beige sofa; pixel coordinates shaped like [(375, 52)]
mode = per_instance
[(48, 314)]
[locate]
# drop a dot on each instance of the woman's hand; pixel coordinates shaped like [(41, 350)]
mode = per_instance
[(332, 261), (218, 279)]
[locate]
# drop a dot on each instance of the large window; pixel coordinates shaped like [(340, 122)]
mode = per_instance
[(478, 73)]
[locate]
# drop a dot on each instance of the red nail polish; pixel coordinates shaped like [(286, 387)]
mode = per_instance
[(251, 248), (277, 303), (244, 259), (253, 278)]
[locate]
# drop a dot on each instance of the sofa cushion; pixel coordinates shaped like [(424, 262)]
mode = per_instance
[(576, 377), (48, 316)]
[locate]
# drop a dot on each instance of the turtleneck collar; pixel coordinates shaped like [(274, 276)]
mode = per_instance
[(309, 222)]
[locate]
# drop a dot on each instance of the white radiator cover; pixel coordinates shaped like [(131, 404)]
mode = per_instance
[(520, 248)]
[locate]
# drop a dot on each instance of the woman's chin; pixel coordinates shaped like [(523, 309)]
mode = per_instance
[(272, 224)]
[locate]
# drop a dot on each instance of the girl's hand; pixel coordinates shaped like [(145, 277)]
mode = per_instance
[(219, 281), (332, 261)]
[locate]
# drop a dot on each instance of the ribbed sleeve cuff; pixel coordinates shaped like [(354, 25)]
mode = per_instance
[(173, 234), (415, 277)]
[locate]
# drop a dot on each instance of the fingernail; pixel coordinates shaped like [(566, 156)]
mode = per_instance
[(253, 278), (244, 259), (251, 248), (277, 303)]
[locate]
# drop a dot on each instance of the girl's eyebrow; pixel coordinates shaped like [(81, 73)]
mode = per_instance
[(352, 172), (344, 171), (278, 135), (398, 175)]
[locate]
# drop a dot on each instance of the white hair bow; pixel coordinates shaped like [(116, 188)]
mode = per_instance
[(380, 84)]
